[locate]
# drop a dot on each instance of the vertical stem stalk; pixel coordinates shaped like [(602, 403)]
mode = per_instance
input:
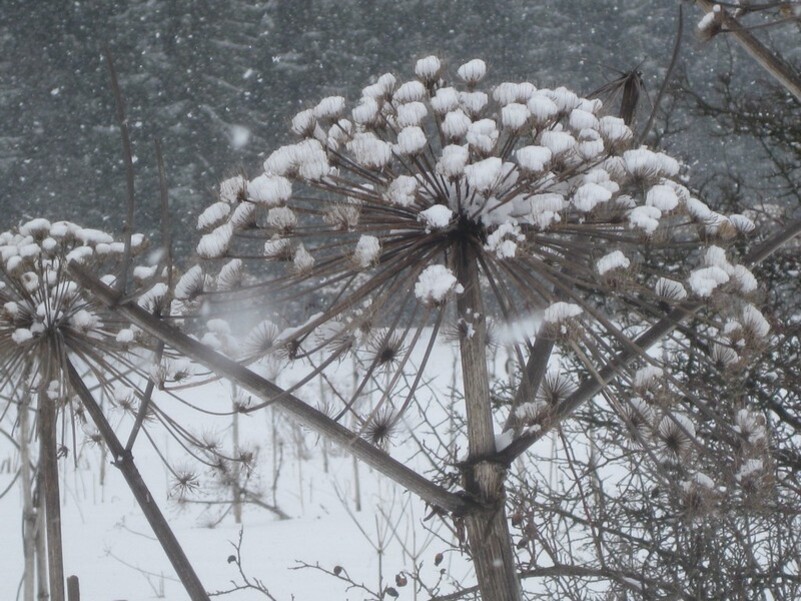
[(41, 545), (236, 489), (487, 528), (48, 464), (28, 512)]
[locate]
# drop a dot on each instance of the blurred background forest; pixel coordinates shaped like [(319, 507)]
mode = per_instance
[(217, 83)]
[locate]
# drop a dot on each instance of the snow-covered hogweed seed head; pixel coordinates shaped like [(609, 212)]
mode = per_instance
[(46, 318), (38, 297), (378, 198)]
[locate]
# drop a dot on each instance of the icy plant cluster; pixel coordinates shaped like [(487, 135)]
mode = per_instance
[(564, 212)]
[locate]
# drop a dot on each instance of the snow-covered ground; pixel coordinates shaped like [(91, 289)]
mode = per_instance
[(110, 547)]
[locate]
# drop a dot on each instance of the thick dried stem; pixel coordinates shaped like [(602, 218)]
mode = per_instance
[(48, 464), (123, 460), (487, 529), (28, 511)]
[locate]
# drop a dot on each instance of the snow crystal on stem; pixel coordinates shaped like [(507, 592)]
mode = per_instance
[(542, 108), (331, 107), (213, 216), (662, 197), (473, 102), (742, 223), (589, 195), (231, 188), (503, 241), (445, 100), (645, 163), (435, 283), (514, 115), (580, 119), (21, 335), (366, 112), (482, 135), (670, 289), (565, 99), (411, 113), (453, 160), (756, 323), (304, 122), (614, 130), (302, 260), (645, 376), (410, 91), (455, 125), (370, 151), (215, 243), (559, 142)]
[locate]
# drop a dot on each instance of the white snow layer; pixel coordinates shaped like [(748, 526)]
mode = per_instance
[(435, 283)]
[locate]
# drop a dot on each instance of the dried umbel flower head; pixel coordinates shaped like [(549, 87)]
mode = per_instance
[(699, 496), (47, 320), (42, 306), (562, 214), (675, 437), (380, 427)]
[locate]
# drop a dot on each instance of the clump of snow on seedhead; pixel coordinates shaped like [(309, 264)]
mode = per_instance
[(436, 218), (533, 158), (367, 252), (646, 377), (613, 261), (670, 290), (269, 190), (645, 218), (531, 412), (428, 68), (504, 240), (435, 284), (401, 190), (472, 71), (561, 311)]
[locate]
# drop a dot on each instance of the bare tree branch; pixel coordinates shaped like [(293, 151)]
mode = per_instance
[(775, 65)]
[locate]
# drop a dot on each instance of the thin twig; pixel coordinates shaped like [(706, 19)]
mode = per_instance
[(663, 88), (127, 156)]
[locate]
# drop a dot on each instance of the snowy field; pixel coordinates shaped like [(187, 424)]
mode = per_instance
[(109, 545)]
